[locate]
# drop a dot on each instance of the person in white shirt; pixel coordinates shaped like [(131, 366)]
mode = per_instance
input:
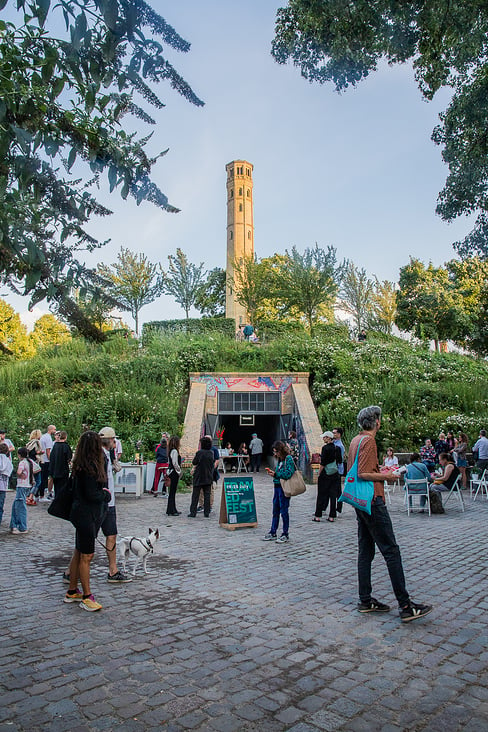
[(481, 448), (6, 468), (7, 442), (109, 524), (256, 450), (25, 480), (390, 461), (46, 445)]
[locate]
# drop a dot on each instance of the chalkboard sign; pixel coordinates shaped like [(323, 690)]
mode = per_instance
[(238, 505)]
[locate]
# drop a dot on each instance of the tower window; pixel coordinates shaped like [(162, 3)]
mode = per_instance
[(232, 193), (248, 234), (240, 191), (248, 193), (231, 235), (240, 207), (248, 171)]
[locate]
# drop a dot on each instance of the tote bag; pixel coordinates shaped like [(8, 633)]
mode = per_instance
[(294, 486), (358, 493)]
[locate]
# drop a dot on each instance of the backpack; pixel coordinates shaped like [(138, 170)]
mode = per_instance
[(435, 502)]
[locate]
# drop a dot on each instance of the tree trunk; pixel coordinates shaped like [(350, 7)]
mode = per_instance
[(70, 311), (136, 319)]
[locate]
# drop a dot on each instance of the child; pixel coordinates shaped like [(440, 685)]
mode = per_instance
[(25, 481), (6, 468)]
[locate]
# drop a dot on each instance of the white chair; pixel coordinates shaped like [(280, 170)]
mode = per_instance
[(479, 484), (457, 492), (414, 489), (388, 491)]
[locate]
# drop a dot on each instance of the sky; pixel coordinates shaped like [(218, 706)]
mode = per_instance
[(356, 170)]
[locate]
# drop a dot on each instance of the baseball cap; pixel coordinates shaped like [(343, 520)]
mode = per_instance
[(107, 432), (327, 434)]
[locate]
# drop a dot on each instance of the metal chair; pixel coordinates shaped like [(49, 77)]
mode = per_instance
[(416, 488), (457, 492), (477, 484)]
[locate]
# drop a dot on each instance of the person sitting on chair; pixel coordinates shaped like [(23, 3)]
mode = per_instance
[(450, 472), (416, 470)]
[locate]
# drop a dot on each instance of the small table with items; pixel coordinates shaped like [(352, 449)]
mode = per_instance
[(241, 461)]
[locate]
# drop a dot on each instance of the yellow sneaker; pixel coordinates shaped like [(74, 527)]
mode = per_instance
[(76, 596), (88, 603)]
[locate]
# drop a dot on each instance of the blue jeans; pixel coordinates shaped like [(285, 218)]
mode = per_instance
[(280, 506), (2, 503), (378, 530), (35, 489), (18, 519)]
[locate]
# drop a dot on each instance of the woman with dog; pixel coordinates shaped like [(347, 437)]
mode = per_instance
[(174, 473), (90, 500)]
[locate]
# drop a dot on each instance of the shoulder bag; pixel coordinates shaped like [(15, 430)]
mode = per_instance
[(358, 493), (61, 505), (294, 486)]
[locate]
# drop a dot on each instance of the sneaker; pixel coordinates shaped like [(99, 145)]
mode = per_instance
[(43, 500), (199, 509), (14, 531), (269, 537), (413, 611), (118, 577), (373, 606), (23, 531), (30, 501), (50, 496), (66, 577), (89, 603), (75, 596), (283, 539)]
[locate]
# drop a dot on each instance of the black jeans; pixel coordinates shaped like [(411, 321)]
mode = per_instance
[(44, 479), (378, 530), (171, 507), (328, 489), (256, 462), (206, 499)]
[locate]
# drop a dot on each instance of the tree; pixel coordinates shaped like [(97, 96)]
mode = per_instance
[(183, 280), (49, 331), (249, 285), (428, 304), (356, 295), (384, 306), (134, 280), (447, 42), (14, 340), (308, 282), (210, 297), (61, 111), (470, 281)]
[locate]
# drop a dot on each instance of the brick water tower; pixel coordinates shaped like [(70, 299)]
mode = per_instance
[(240, 230)]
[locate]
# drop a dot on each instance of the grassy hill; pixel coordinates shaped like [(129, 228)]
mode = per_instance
[(140, 391)]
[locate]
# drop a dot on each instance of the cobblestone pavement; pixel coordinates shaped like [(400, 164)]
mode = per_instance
[(231, 633)]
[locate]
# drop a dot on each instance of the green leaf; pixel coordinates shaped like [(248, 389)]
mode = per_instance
[(110, 13), (71, 158)]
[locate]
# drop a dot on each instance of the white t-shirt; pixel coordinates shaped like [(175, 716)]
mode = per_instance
[(46, 444), (118, 448), (391, 462), (23, 474), (110, 476), (6, 468)]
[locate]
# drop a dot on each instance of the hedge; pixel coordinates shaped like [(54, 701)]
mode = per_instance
[(195, 326)]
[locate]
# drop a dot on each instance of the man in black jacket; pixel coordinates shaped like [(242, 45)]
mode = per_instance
[(59, 462), (202, 477)]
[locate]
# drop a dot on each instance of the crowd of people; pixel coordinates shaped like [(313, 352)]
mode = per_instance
[(47, 466)]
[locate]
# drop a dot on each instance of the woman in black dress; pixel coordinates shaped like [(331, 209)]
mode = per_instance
[(329, 480)]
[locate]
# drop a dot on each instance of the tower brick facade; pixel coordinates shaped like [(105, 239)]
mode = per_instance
[(240, 229)]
